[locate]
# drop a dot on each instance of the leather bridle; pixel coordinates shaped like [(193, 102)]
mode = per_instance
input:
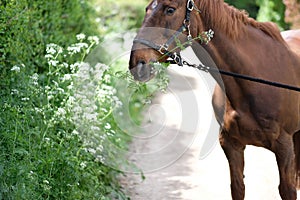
[(163, 49)]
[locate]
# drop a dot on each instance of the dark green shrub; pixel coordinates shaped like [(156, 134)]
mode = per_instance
[(43, 154), (26, 26)]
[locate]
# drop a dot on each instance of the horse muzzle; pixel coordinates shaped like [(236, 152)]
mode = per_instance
[(143, 72)]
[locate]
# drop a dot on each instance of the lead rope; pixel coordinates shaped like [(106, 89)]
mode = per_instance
[(241, 76)]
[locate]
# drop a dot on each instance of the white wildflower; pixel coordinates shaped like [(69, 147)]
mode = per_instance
[(67, 77), (93, 39), (49, 97), (117, 101), (71, 99), (107, 78), (107, 126), (74, 132), (86, 102), (76, 48), (15, 68), (14, 91), (99, 148), (95, 128), (38, 110), (90, 116), (66, 65), (50, 50), (60, 90), (59, 50), (101, 67), (80, 36), (53, 62), (75, 66), (61, 111), (34, 77), (98, 19), (70, 87), (83, 165), (100, 158), (82, 45), (209, 35), (48, 56), (53, 49), (93, 151), (25, 99)]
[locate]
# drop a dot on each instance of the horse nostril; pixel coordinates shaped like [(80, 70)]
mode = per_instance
[(141, 68), (142, 71), (141, 62)]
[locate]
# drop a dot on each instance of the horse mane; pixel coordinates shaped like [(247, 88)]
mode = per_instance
[(233, 21)]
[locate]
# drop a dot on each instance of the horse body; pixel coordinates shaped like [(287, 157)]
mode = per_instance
[(264, 109), (275, 140), (249, 113), (292, 38), (256, 114)]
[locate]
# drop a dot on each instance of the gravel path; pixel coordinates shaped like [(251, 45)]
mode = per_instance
[(168, 150)]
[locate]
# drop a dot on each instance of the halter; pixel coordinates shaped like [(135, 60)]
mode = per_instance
[(163, 49)]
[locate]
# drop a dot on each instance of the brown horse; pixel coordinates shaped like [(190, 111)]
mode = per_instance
[(251, 113)]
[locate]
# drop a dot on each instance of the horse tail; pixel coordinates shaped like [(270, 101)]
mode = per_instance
[(296, 138)]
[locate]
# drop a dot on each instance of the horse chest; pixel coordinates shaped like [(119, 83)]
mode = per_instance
[(259, 130)]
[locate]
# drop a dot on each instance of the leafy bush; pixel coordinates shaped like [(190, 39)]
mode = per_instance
[(49, 148), (26, 26), (42, 154)]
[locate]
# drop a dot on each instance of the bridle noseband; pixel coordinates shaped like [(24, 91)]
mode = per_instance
[(163, 49)]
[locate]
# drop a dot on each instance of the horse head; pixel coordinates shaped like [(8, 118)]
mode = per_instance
[(165, 22)]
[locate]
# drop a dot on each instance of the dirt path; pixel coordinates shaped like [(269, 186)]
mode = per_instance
[(168, 151)]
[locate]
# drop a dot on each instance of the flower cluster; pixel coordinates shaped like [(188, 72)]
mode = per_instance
[(206, 36), (94, 100), (87, 95)]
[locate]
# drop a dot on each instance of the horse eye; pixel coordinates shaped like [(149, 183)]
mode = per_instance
[(170, 11)]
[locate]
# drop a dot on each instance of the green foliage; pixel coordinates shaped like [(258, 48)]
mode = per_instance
[(263, 10), (45, 146), (43, 150), (120, 15), (272, 10), (249, 5), (27, 26)]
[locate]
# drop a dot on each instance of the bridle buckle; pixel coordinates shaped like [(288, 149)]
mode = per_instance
[(190, 5), (163, 49)]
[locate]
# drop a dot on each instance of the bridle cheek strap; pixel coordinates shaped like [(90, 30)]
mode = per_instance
[(176, 58), (163, 49)]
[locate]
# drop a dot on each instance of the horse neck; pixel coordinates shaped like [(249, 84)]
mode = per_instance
[(237, 37), (253, 53)]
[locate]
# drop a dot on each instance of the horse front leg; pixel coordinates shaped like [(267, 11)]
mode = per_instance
[(234, 152), (285, 157)]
